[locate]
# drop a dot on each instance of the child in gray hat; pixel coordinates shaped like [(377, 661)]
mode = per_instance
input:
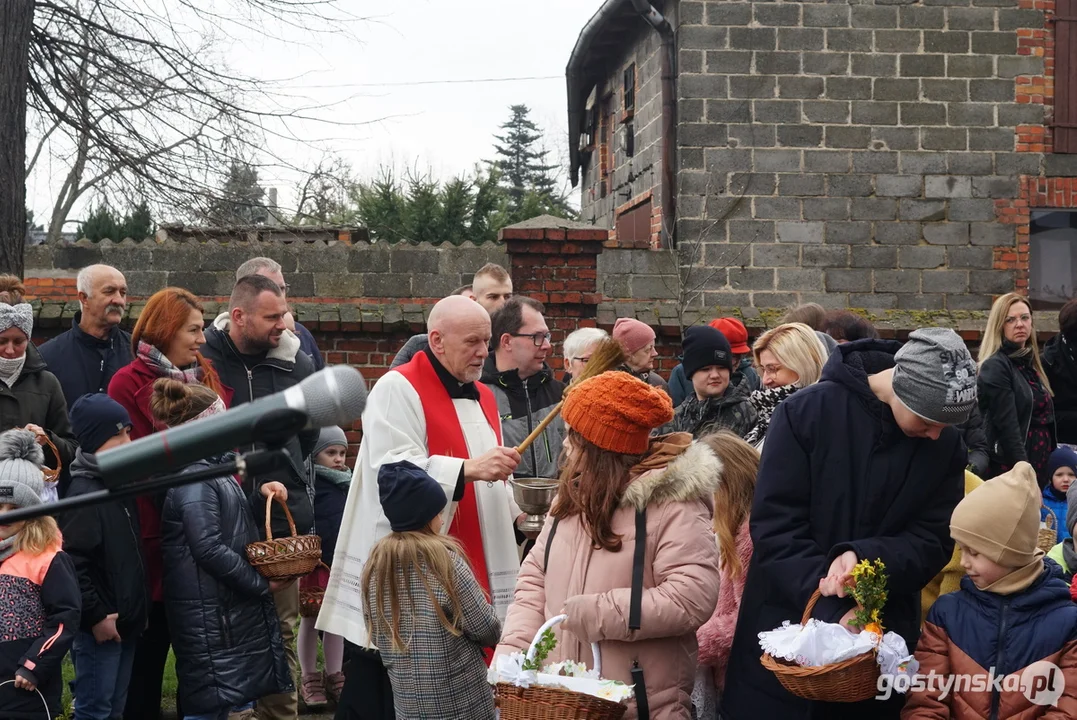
[(38, 588)]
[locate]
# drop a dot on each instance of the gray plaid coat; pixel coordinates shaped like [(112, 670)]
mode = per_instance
[(438, 676)]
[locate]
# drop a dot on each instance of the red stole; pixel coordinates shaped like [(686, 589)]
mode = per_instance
[(444, 436)]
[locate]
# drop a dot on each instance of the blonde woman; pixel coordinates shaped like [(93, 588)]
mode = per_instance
[(788, 358), (1015, 395)]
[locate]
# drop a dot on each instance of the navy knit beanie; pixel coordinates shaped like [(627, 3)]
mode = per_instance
[(409, 496)]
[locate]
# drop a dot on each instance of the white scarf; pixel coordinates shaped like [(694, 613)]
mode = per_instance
[(11, 369)]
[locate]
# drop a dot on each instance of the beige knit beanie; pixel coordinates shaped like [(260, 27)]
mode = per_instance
[(1001, 520)]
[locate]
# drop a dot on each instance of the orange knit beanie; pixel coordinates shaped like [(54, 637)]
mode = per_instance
[(617, 412)]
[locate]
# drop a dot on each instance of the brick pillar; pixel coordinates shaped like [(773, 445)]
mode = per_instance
[(555, 261)]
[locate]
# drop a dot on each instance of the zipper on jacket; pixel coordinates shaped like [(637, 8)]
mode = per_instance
[(534, 458), (996, 699), (141, 563), (226, 630)]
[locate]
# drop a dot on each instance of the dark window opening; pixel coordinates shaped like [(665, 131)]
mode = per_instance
[(629, 91), (1052, 258), (630, 139), (634, 226), (590, 133)]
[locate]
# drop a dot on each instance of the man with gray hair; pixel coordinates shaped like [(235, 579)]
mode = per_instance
[(270, 268), (85, 358)]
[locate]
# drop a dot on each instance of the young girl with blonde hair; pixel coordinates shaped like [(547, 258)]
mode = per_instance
[(732, 506), (425, 611), (39, 590)]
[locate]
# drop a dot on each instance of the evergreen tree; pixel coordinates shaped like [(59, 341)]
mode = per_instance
[(101, 224), (104, 223), (240, 200), (523, 169), (138, 224)]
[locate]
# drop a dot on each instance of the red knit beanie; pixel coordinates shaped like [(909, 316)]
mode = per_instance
[(617, 412)]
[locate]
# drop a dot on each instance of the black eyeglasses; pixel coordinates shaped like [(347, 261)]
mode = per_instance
[(284, 288), (537, 338)]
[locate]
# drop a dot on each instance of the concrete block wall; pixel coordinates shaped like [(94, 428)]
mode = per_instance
[(319, 270), (855, 153)]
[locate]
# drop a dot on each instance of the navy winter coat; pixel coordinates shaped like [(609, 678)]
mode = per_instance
[(221, 616), (971, 632), (84, 364), (838, 474)]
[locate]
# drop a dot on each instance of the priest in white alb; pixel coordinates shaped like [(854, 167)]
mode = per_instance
[(433, 412)]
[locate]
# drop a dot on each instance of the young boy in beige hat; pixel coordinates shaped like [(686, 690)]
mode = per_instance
[(1005, 644)]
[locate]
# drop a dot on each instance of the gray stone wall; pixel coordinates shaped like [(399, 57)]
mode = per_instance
[(629, 176), (316, 269), (852, 153)]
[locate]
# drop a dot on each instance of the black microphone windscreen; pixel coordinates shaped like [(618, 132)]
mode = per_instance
[(334, 396)]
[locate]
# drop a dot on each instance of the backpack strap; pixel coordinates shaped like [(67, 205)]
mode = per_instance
[(549, 544), (635, 607), (635, 612)]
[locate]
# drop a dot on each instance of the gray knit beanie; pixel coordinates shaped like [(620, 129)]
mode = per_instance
[(21, 458), (935, 376), (331, 435)]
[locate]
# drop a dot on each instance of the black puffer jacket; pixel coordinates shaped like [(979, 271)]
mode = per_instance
[(732, 411), (1006, 403), (1060, 364), (221, 616), (103, 542), (280, 369)]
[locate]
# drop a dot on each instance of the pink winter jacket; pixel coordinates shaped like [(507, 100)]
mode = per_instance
[(593, 586), (716, 636)]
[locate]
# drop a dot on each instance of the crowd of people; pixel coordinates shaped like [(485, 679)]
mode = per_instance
[(690, 515)]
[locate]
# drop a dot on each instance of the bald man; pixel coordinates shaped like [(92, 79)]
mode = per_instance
[(430, 411)]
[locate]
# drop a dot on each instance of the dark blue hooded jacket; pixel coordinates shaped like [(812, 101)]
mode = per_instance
[(838, 474)]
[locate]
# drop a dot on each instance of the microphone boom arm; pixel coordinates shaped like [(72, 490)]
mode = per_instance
[(256, 462)]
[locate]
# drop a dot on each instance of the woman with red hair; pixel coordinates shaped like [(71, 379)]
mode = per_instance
[(166, 342)]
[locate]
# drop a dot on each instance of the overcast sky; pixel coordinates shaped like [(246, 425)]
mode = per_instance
[(444, 126)]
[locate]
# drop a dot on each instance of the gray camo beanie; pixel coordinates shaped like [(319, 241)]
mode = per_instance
[(21, 479), (935, 376)]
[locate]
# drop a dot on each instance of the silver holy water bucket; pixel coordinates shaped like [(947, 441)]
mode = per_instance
[(534, 496)]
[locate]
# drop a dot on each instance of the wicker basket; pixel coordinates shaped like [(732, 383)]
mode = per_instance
[(851, 680), (52, 475), (546, 703), (284, 558), (1048, 535), (551, 703), (310, 598)]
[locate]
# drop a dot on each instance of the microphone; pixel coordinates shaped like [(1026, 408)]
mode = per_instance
[(334, 396)]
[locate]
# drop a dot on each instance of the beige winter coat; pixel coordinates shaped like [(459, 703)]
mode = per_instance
[(593, 586)]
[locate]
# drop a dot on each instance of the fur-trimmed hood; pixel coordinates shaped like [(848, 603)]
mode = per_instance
[(695, 473), (284, 352)]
